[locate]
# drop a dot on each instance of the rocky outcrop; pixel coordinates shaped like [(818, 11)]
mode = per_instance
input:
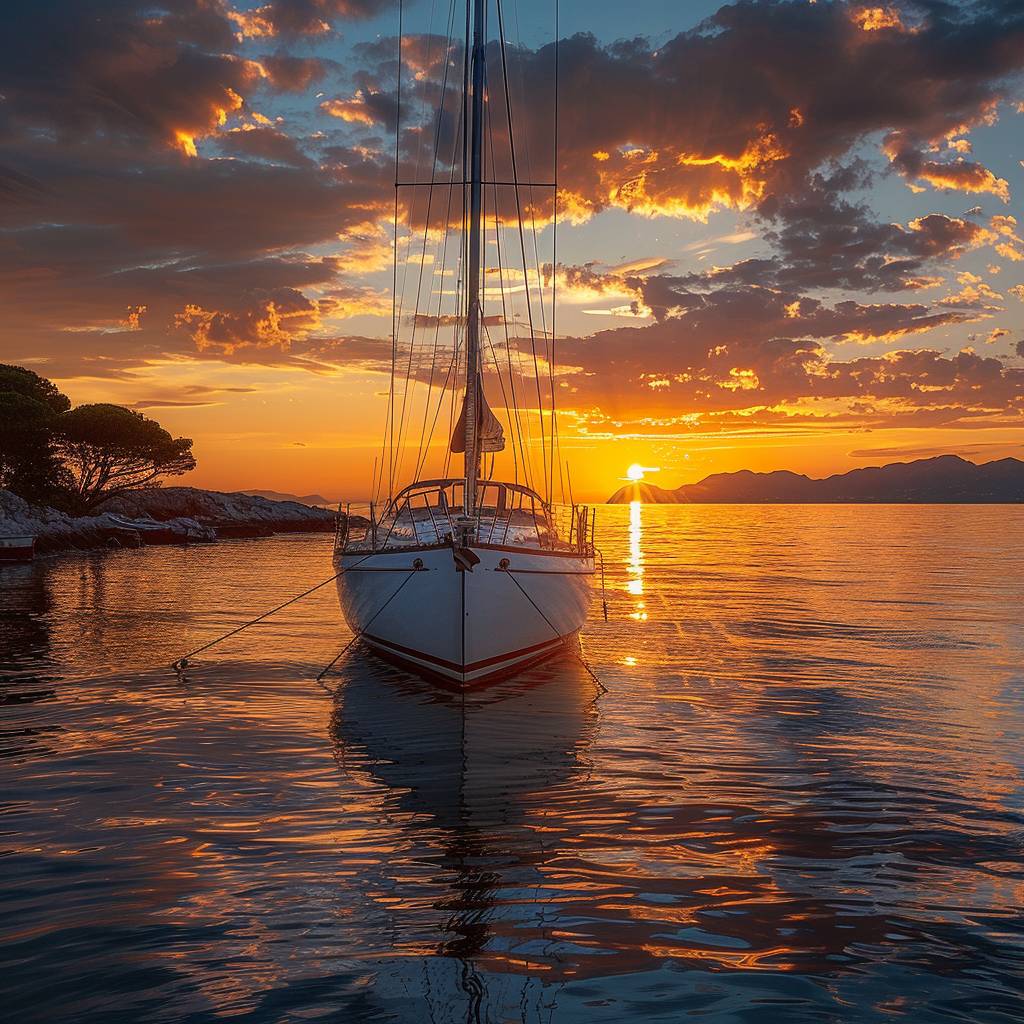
[(228, 514), (55, 531), (172, 515)]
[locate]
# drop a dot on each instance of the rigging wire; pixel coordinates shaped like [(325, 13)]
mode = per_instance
[(464, 247), (410, 377), (396, 441), (404, 410), (425, 438), (549, 346), (424, 442), (556, 436), (182, 663), (515, 429), (522, 241), (389, 428), (501, 385)]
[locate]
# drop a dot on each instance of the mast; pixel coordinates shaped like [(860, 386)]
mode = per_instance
[(474, 385)]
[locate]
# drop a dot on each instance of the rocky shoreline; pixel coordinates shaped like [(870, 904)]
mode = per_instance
[(161, 515)]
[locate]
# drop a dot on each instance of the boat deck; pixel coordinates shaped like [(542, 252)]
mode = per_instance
[(431, 512), (415, 527)]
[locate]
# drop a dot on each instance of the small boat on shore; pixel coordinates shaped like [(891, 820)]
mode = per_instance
[(151, 531), (17, 548)]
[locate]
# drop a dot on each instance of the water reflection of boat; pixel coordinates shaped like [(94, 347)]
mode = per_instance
[(466, 760), (478, 779)]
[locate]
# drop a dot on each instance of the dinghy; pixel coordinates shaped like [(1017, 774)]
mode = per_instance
[(17, 548)]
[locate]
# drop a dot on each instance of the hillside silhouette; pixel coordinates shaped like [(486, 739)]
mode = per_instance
[(941, 480)]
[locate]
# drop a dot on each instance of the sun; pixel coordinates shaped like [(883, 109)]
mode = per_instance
[(635, 472)]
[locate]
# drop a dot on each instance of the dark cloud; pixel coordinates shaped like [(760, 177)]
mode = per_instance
[(93, 237), (761, 353), (754, 100), (305, 17), (910, 158), (368, 106), (824, 241), (136, 175), (281, 320), (263, 142), (275, 320), (293, 74), (201, 205), (82, 68), (732, 312)]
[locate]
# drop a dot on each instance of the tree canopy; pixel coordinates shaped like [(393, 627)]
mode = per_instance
[(30, 406), (77, 458), (25, 382), (108, 449)]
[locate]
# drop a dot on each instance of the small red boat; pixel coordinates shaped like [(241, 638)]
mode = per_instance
[(17, 548)]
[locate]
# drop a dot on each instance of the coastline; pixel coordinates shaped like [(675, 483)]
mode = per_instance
[(171, 515), (941, 480)]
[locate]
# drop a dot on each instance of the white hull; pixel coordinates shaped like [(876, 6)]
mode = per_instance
[(417, 606)]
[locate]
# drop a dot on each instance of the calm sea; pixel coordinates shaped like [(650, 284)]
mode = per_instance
[(799, 799)]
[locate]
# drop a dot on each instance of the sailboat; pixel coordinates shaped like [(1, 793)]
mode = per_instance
[(468, 578)]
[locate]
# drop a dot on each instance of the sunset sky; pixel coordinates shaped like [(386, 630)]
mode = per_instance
[(791, 234)]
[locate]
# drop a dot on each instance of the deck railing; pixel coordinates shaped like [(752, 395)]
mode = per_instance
[(427, 517)]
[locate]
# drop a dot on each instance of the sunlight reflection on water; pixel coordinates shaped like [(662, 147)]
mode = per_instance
[(801, 795)]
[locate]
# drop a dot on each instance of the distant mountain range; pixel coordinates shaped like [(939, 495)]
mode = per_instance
[(303, 499), (946, 479)]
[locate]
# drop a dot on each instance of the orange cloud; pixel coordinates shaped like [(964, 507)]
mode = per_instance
[(974, 293), (967, 177), (690, 184), (1011, 246), (960, 175), (354, 110), (788, 384), (252, 24), (273, 322), (133, 320), (214, 113), (875, 19)]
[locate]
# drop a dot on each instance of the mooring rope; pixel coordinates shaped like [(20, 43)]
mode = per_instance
[(359, 635), (558, 636), (182, 663), (593, 675), (604, 595), (334, 661)]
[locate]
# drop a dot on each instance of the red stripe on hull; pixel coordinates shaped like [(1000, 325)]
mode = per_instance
[(523, 658)]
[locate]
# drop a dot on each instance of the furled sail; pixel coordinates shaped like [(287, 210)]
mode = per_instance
[(490, 436)]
